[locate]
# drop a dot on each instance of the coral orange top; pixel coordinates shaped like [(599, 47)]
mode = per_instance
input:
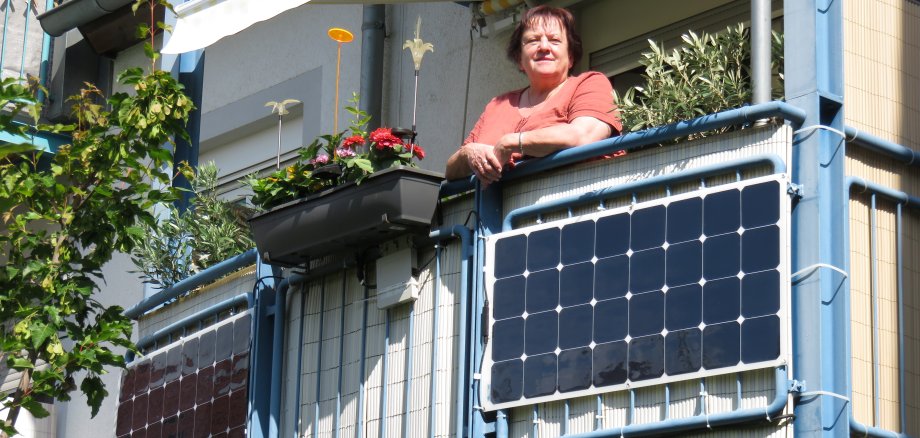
[(588, 94)]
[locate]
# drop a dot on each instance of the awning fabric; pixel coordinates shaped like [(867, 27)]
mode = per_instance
[(200, 23)]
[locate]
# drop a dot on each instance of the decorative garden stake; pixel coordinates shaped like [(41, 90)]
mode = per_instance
[(418, 48), (341, 36), (281, 109)]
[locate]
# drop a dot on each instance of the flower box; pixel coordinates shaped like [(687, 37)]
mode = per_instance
[(353, 216)]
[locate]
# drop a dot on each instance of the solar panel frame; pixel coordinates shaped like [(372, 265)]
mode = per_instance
[(615, 296)]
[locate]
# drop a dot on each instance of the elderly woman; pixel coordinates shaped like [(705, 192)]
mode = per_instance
[(556, 111)]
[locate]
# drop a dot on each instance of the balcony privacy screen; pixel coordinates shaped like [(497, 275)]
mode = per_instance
[(196, 386), (673, 289)]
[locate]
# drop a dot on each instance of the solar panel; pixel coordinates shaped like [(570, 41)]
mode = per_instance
[(196, 386), (683, 287)]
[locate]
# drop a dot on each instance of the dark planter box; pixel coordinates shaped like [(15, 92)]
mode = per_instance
[(350, 217)]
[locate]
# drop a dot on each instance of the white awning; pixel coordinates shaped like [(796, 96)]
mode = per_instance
[(200, 23)]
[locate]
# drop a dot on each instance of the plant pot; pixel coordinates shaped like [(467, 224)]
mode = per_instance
[(353, 216)]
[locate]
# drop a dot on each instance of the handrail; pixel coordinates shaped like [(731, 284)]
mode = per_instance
[(195, 317), (635, 186), (880, 145), (634, 140), (188, 284)]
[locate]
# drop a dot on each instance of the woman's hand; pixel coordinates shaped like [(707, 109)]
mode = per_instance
[(483, 162)]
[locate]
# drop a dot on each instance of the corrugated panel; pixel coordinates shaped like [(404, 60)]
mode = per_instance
[(237, 283)]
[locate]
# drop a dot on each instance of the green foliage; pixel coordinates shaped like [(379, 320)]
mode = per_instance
[(354, 157), (62, 217), (707, 74), (181, 244)]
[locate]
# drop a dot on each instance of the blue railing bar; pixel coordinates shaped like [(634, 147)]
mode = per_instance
[(645, 184), (319, 356), (25, 37), (873, 304), (477, 421), (877, 144), (565, 418), (631, 416), (6, 25), (535, 419), (501, 423), (299, 378), (466, 240), (336, 421), (359, 427), (190, 319), (598, 413), (46, 53), (278, 315), (204, 277), (738, 394), (638, 139), (905, 200), (407, 390), (383, 378), (432, 386), (902, 382), (895, 195), (675, 425), (667, 401), (633, 140)]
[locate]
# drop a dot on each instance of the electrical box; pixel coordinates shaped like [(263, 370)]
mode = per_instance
[(396, 282)]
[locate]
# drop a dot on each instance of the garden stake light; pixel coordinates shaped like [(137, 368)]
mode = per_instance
[(281, 109), (341, 36), (418, 48)]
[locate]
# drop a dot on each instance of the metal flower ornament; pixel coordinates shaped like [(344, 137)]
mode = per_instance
[(417, 48), (280, 108)]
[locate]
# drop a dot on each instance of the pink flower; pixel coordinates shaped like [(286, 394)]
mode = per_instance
[(320, 160), (384, 138), (351, 142), (345, 152)]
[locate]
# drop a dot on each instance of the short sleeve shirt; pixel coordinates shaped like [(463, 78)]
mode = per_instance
[(588, 94)]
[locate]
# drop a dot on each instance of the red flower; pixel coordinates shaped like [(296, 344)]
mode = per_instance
[(351, 142), (417, 151), (385, 139)]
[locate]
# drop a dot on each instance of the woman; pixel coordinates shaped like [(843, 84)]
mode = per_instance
[(556, 111)]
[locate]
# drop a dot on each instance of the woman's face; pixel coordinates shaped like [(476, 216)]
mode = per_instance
[(545, 52)]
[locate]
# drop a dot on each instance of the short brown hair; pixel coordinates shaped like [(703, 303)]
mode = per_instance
[(541, 14)]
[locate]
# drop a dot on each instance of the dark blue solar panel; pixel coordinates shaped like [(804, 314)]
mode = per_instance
[(669, 289)]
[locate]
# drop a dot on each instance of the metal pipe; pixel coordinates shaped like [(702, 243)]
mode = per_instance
[(634, 140), (6, 26), (667, 401), (319, 355), (299, 380), (25, 37), (433, 386), (383, 378), (873, 304), (598, 414), (372, 36), (761, 51), (43, 66), (407, 390), (879, 145), (336, 430), (280, 311), (361, 381), (195, 317), (204, 277), (675, 425), (466, 237), (902, 382), (631, 187)]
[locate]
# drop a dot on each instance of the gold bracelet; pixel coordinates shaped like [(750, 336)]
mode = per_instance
[(520, 144)]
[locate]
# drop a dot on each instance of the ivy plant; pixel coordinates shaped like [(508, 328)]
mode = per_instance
[(62, 217), (707, 74)]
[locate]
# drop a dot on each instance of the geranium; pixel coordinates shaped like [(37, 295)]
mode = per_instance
[(332, 160)]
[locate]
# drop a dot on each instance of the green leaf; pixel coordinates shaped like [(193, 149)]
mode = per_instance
[(17, 148), (40, 332)]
